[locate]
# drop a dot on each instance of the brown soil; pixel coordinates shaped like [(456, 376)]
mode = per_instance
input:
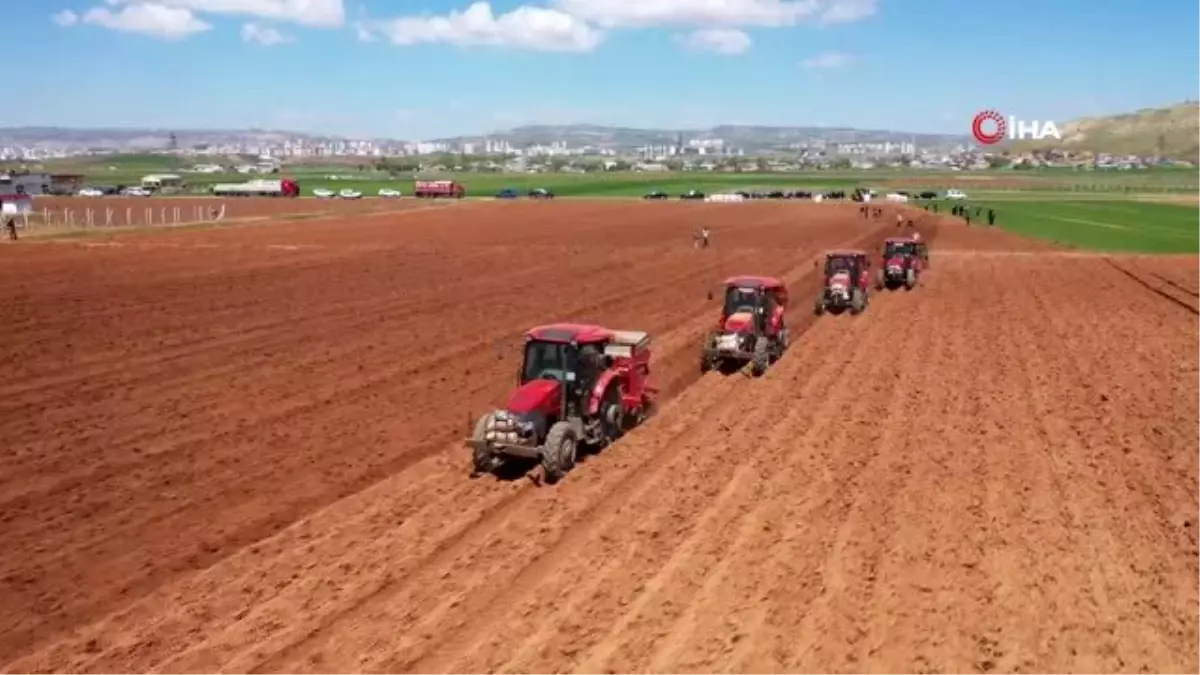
[(237, 449)]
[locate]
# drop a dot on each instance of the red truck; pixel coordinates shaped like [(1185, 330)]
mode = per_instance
[(438, 188)]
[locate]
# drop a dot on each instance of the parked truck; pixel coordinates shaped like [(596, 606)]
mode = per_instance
[(259, 187), (432, 189)]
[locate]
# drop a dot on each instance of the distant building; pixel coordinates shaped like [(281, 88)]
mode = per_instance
[(40, 183)]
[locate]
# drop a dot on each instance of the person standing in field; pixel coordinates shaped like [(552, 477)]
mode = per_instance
[(11, 226), (991, 217)]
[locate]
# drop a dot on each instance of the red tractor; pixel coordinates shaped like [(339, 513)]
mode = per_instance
[(751, 328), (901, 264), (578, 385), (847, 281)]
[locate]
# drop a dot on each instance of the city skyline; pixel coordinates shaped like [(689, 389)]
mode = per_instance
[(453, 68)]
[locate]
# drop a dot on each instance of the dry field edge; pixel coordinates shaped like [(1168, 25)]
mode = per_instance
[(236, 449)]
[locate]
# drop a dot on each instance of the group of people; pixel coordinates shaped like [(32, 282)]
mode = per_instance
[(867, 211), (967, 212)]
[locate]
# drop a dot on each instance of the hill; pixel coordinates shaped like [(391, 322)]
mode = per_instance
[(1173, 131)]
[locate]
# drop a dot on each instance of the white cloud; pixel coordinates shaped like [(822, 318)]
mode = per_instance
[(151, 18), (728, 41), (312, 13), (65, 18), (846, 11), (363, 32), (579, 25), (535, 28), (264, 35), (646, 13), (827, 61)]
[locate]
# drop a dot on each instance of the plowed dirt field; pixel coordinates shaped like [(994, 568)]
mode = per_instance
[(239, 450)]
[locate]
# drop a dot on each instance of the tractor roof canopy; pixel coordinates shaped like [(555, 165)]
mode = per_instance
[(580, 333), (754, 281), (898, 240), (848, 253)]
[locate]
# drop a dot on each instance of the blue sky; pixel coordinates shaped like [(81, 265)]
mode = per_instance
[(426, 68)]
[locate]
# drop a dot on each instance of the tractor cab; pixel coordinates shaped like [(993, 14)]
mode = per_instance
[(899, 248), (561, 364), (752, 302), (852, 263)]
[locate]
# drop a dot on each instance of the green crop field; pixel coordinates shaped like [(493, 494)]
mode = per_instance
[(1101, 225), (1100, 210)]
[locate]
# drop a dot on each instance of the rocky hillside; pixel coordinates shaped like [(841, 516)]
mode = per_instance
[(1173, 132)]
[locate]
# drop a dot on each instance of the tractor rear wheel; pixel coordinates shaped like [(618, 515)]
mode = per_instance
[(612, 415), (819, 307), (558, 454), (858, 301), (761, 358)]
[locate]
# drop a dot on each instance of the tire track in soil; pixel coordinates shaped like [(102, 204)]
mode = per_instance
[(1176, 285), (1141, 511), (1170, 293), (686, 343), (690, 347)]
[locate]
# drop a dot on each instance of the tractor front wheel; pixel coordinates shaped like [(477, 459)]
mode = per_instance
[(483, 460), (910, 279), (706, 360), (558, 455)]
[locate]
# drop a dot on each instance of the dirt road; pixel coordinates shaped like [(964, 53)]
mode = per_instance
[(235, 450)]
